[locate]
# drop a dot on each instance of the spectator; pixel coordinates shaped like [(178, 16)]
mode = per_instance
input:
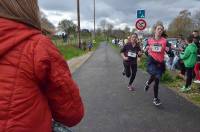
[(90, 45), (36, 84), (64, 36), (180, 46), (189, 57), (171, 55)]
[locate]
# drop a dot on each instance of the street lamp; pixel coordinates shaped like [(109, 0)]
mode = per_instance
[(78, 17), (94, 19)]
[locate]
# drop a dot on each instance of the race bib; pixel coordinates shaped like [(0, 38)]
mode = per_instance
[(131, 54), (156, 48)]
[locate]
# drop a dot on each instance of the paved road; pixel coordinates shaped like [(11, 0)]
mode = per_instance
[(110, 107)]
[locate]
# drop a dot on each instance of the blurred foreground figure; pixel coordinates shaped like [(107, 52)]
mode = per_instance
[(35, 82)]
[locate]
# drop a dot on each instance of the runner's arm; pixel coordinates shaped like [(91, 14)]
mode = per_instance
[(122, 53)]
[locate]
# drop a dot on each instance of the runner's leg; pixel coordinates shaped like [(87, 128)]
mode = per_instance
[(133, 73), (156, 86), (127, 68)]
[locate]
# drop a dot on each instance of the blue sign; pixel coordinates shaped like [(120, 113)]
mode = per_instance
[(140, 13)]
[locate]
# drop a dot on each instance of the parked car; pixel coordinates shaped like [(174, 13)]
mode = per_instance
[(173, 41)]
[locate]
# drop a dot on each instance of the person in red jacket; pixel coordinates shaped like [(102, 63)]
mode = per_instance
[(36, 85)]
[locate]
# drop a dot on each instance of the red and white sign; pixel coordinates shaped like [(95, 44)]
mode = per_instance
[(140, 24)]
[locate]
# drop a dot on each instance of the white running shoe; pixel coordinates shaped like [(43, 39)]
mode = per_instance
[(196, 81)]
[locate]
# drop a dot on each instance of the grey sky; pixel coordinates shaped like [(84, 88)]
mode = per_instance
[(118, 12)]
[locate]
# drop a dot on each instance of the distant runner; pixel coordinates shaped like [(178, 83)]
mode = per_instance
[(129, 53)]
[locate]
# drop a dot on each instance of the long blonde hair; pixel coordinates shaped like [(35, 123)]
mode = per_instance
[(26, 11)]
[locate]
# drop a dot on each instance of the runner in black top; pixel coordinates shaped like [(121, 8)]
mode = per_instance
[(129, 53)]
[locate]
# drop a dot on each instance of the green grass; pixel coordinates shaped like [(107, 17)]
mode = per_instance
[(167, 77), (117, 48), (143, 63), (195, 98), (70, 51), (98, 41)]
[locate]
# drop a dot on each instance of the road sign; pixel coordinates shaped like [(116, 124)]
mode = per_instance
[(140, 24), (140, 13)]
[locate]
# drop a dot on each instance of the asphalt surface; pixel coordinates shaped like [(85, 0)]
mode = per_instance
[(110, 107)]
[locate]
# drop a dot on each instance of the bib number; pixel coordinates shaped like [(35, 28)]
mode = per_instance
[(131, 54), (156, 48)]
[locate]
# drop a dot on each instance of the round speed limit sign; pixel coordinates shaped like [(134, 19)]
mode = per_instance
[(140, 24)]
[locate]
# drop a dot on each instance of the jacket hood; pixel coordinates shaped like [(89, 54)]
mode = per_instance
[(13, 33), (193, 48)]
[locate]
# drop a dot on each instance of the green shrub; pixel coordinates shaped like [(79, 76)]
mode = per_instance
[(70, 51), (167, 77), (143, 63)]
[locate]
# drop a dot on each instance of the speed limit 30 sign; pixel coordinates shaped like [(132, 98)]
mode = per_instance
[(140, 24)]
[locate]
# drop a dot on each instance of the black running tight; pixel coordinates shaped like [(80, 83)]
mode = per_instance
[(156, 84), (130, 70)]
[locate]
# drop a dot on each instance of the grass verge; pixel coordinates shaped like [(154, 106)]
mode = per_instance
[(70, 51)]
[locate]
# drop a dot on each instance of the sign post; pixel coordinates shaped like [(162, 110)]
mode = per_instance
[(140, 24)]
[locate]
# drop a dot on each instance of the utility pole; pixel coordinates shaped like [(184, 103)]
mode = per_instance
[(78, 17), (94, 19)]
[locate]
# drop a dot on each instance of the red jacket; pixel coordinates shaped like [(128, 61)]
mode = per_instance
[(35, 82)]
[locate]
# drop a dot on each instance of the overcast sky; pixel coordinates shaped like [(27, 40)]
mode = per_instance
[(120, 13)]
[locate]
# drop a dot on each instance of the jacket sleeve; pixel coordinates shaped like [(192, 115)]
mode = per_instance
[(54, 77), (185, 54)]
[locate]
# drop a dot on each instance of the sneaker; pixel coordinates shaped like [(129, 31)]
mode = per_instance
[(123, 72), (184, 89), (146, 87), (188, 88), (131, 88), (196, 81), (156, 102)]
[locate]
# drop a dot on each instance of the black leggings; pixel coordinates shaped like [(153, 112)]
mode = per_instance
[(182, 67), (156, 84), (130, 70), (189, 72)]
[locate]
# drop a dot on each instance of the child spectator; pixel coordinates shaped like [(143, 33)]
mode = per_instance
[(189, 58)]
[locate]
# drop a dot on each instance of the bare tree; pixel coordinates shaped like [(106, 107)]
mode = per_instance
[(196, 20), (67, 26), (103, 25), (109, 28), (133, 30), (47, 26), (118, 33), (127, 30), (182, 24), (98, 31)]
